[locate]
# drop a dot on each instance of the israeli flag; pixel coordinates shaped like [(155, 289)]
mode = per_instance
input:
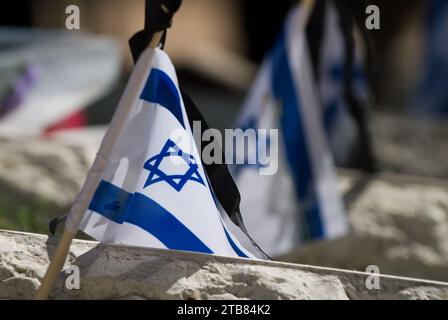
[(301, 201), (147, 186)]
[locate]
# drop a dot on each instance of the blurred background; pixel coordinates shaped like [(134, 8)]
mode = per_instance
[(398, 215), (226, 41)]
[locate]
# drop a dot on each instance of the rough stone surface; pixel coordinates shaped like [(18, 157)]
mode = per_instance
[(407, 145), (118, 272), (398, 223), (56, 170), (39, 178)]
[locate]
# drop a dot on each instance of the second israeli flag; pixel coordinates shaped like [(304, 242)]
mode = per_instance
[(301, 201)]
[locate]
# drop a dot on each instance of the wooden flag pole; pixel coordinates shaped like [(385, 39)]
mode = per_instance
[(309, 4), (156, 39), (60, 255), (56, 264)]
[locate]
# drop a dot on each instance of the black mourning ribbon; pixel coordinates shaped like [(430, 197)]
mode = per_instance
[(224, 187), (158, 17), (53, 224)]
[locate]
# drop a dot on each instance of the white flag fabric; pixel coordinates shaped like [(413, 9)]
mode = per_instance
[(147, 186), (301, 201)]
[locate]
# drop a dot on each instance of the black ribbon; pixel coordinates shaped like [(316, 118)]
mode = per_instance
[(158, 17), (53, 224), (222, 183)]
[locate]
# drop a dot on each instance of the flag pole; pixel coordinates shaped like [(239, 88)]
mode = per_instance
[(60, 255), (309, 4), (156, 39), (56, 264)]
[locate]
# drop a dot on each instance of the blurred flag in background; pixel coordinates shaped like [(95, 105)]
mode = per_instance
[(301, 201)]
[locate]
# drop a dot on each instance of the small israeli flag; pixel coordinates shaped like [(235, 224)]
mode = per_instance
[(301, 201), (147, 186)]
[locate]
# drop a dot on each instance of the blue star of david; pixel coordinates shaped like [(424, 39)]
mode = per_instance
[(177, 181)]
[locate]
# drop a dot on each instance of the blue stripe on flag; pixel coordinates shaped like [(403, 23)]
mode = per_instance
[(160, 89), (120, 206), (234, 246), (297, 149)]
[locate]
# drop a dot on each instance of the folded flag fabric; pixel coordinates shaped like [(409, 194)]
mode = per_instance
[(147, 186), (301, 201)]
